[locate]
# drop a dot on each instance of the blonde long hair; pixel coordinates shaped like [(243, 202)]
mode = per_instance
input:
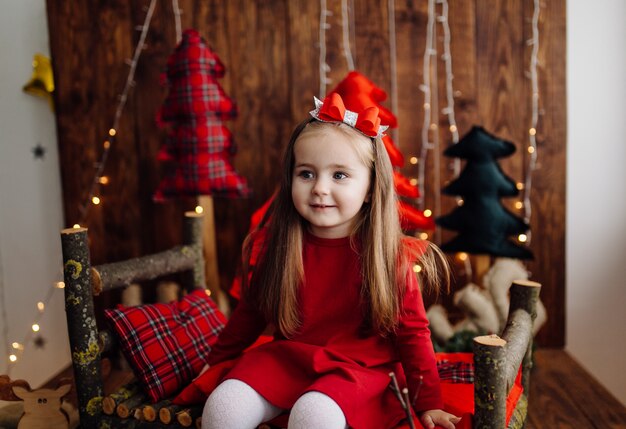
[(279, 271)]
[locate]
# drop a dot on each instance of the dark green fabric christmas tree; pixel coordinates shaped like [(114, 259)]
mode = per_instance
[(483, 224)]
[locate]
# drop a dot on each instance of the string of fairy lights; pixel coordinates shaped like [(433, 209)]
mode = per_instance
[(16, 348)]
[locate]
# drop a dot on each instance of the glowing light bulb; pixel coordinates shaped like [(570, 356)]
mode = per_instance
[(531, 149), (522, 238), (12, 358), (106, 144), (417, 268), (41, 306), (35, 327), (423, 236), (208, 292), (95, 200), (428, 213), (103, 180), (453, 128), (519, 186), (112, 132), (519, 205), (460, 202), (462, 256), (59, 285), (413, 160), (413, 182), (199, 209), (17, 346), (76, 226), (532, 131)]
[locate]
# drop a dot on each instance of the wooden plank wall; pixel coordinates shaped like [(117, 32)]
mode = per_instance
[(271, 51)]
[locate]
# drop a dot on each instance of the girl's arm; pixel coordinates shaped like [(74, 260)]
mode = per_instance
[(243, 328), (416, 350)]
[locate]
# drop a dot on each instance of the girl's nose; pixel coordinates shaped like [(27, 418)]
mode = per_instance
[(320, 187)]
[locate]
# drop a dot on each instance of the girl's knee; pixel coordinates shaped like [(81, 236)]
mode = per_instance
[(316, 410), (234, 404)]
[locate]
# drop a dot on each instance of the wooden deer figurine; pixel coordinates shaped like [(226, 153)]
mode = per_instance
[(42, 407)]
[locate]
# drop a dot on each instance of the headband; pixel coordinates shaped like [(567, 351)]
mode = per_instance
[(333, 110)]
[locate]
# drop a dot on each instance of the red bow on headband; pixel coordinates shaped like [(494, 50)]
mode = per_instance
[(367, 121)]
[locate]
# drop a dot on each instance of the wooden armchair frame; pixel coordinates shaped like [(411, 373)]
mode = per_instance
[(496, 359)]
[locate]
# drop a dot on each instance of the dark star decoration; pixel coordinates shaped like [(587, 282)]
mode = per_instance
[(39, 342), (39, 152)]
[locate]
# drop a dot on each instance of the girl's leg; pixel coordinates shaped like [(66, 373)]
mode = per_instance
[(314, 410), (234, 404)]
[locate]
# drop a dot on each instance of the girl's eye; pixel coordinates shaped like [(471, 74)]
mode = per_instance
[(339, 175), (305, 174)]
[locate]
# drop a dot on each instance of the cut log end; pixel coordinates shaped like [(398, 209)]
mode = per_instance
[(165, 416), (108, 405), (527, 283), (149, 413), (96, 282), (490, 340), (68, 231), (184, 418)]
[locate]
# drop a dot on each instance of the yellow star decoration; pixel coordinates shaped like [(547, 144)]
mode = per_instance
[(41, 83)]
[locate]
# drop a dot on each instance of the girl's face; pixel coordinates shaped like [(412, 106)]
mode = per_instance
[(330, 180)]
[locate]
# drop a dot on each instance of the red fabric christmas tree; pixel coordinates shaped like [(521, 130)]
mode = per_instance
[(199, 148), (358, 93)]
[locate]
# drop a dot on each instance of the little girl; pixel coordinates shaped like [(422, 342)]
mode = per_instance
[(333, 275)]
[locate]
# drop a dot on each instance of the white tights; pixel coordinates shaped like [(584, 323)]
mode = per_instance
[(236, 405)]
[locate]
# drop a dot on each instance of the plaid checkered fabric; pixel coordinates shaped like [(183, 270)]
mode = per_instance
[(166, 344), (199, 147), (455, 372)]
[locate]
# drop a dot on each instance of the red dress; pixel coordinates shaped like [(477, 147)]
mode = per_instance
[(329, 353)]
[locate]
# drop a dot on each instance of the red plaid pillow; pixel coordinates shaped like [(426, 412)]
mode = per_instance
[(166, 344)]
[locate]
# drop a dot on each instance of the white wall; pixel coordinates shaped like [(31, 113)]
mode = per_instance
[(30, 201), (596, 189)]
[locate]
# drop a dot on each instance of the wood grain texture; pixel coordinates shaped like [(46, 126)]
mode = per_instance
[(564, 395), (271, 50)]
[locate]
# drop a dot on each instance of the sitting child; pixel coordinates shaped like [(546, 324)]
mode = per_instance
[(335, 277)]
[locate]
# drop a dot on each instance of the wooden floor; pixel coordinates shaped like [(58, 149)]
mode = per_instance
[(562, 395)]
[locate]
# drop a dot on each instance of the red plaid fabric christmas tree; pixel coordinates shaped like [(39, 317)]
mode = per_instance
[(199, 148)]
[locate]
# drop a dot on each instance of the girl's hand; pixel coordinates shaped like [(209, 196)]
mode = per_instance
[(431, 418)]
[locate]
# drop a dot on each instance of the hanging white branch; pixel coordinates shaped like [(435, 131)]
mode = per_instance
[(425, 87), (346, 34), (177, 22), (324, 68), (393, 56), (447, 59)]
